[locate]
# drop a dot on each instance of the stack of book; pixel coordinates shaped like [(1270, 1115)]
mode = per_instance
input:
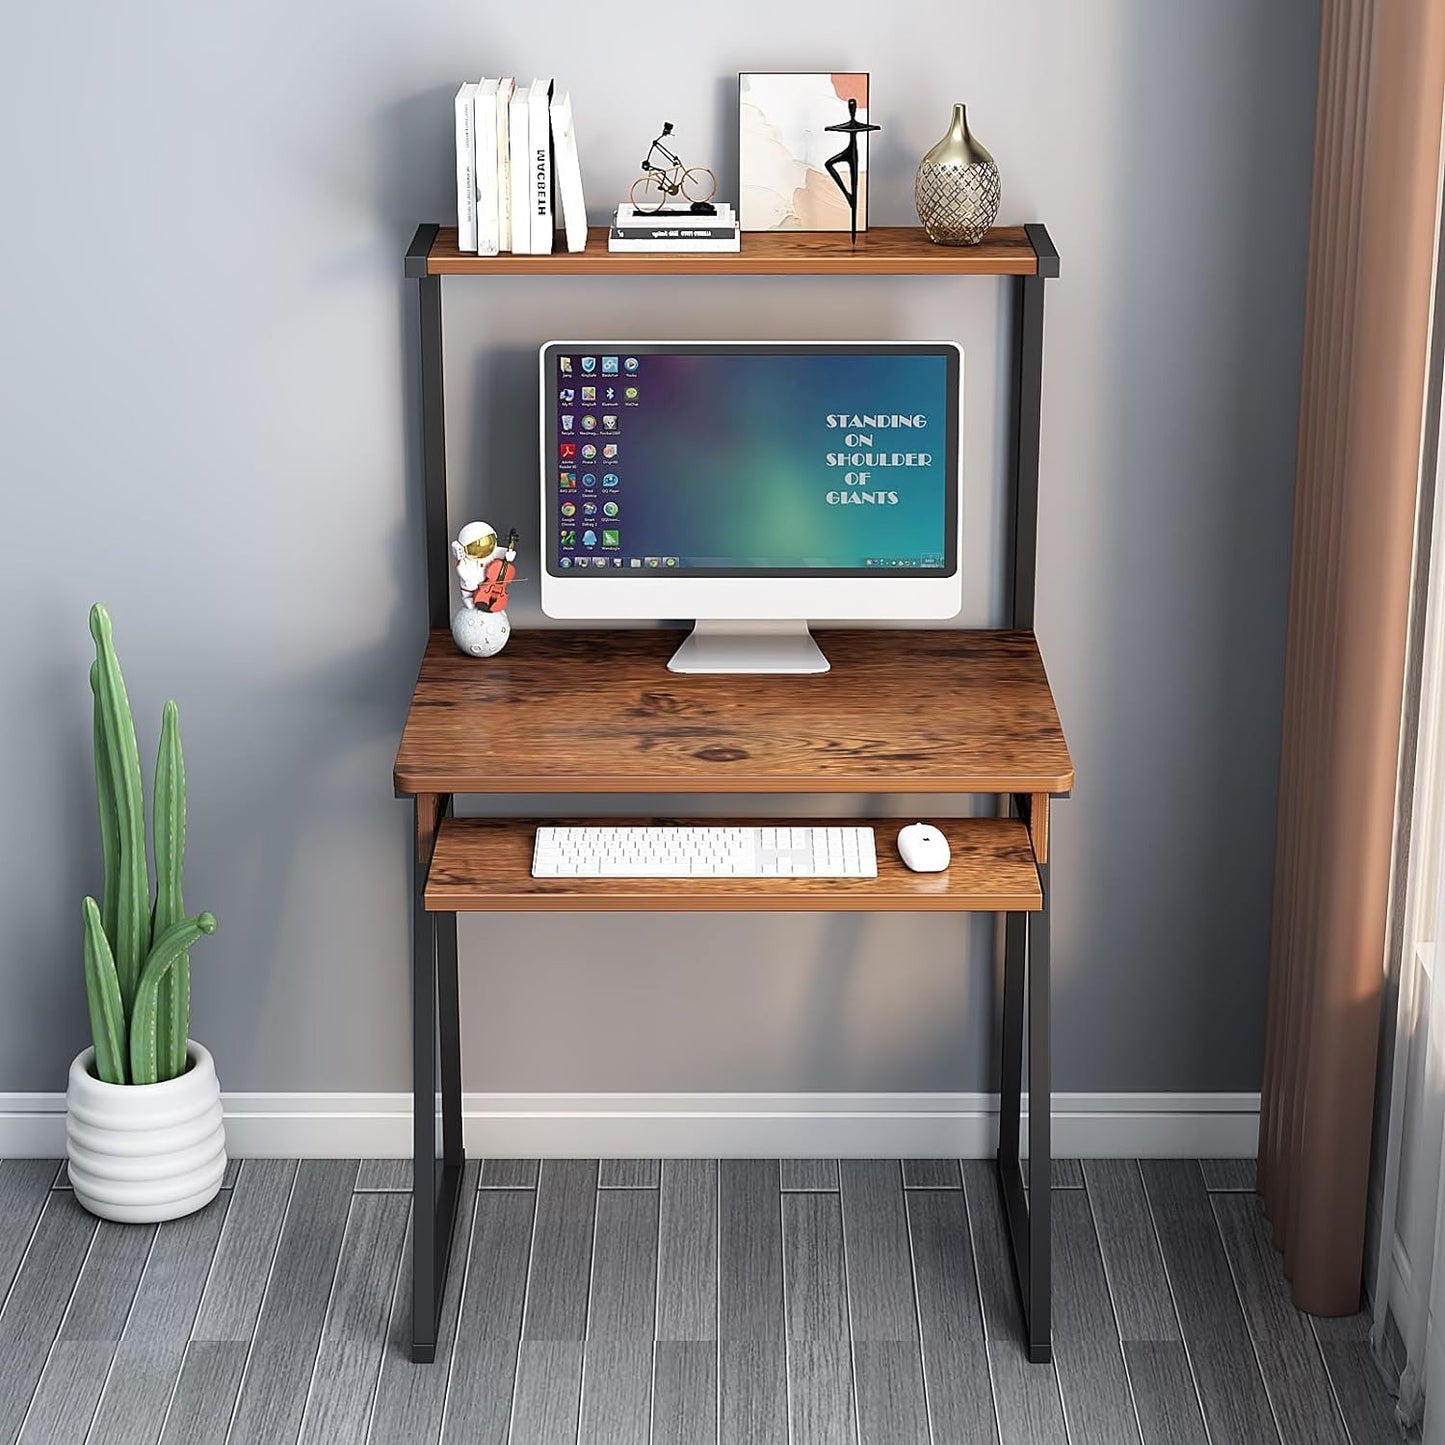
[(674, 228), (518, 176)]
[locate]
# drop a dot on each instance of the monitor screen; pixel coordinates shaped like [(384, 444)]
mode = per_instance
[(750, 459)]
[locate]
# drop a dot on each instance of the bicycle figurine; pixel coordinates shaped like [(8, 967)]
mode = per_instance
[(664, 178)]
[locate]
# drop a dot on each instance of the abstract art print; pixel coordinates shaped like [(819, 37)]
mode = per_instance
[(784, 147)]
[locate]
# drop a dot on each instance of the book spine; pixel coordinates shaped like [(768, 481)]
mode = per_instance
[(466, 171), (504, 165), (539, 142), (484, 128), (570, 199), (679, 247), (521, 191), (675, 233)]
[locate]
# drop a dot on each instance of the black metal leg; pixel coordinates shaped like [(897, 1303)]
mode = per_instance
[(1040, 1145), (1026, 979), (436, 1184), (1028, 376)]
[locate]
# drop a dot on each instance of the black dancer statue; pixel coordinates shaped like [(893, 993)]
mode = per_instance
[(852, 128)]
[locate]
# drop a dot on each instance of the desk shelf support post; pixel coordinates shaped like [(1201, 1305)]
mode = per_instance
[(433, 429), (436, 1182), (1026, 997), (1028, 386)]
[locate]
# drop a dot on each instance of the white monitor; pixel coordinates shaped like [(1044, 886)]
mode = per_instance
[(752, 486)]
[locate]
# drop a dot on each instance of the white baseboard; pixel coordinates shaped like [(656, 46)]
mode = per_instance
[(705, 1125)]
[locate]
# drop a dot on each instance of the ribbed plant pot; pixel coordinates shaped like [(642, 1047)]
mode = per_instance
[(141, 1153)]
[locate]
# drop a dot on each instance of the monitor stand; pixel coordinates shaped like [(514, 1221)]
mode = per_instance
[(748, 647)]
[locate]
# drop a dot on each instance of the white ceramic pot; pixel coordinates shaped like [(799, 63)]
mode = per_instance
[(140, 1153)]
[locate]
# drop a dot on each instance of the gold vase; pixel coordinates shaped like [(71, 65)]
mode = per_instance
[(957, 188)]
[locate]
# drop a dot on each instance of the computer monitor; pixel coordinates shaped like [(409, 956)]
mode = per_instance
[(751, 486)]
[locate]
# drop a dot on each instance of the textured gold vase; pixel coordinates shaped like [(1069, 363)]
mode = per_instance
[(957, 189)]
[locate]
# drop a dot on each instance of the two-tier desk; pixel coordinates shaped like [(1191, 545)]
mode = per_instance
[(563, 713)]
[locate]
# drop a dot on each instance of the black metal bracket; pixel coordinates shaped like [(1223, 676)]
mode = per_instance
[(436, 1182), (419, 250)]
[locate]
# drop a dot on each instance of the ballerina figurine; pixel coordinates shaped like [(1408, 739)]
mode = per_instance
[(848, 156)]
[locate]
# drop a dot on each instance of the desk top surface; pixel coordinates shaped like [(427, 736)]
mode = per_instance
[(598, 712)]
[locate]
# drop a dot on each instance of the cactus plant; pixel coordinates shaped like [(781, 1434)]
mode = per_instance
[(137, 960)]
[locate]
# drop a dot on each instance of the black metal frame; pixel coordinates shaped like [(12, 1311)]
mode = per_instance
[(436, 1038)]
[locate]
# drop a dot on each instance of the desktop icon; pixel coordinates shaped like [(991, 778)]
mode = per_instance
[(609, 393), (569, 481), (566, 395), (589, 538), (610, 450), (564, 365), (634, 561), (611, 537), (567, 450), (589, 508), (609, 509), (630, 365), (589, 452), (609, 423), (617, 561), (609, 480), (567, 420), (569, 509), (589, 364), (630, 394), (589, 394), (609, 366), (669, 561), (564, 561), (589, 480), (589, 422), (654, 562), (569, 537)]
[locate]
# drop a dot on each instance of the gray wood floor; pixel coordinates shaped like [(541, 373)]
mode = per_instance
[(684, 1301)]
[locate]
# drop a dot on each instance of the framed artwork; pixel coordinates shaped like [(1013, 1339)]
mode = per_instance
[(784, 147)]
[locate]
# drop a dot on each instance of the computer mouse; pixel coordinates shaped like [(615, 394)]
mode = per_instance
[(923, 848)]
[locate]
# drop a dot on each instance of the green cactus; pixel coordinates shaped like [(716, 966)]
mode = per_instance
[(168, 841), (165, 954), (132, 917), (102, 997), (137, 951)]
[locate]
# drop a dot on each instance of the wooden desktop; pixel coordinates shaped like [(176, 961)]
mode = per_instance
[(562, 713)]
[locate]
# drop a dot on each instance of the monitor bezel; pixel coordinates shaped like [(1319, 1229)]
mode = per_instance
[(822, 594)]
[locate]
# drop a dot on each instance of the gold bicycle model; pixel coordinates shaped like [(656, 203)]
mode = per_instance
[(664, 178)]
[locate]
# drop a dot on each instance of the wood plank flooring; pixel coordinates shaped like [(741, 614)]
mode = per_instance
[(696, 1301)]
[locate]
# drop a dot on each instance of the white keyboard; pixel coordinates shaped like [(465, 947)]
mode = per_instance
[(704, 852)]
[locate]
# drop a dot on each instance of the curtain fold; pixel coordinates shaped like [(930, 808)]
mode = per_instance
[(1362, 409)]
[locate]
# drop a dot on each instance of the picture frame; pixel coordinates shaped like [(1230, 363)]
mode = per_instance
[(784, 145)]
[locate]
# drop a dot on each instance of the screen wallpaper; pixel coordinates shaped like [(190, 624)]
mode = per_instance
[(720, 463)]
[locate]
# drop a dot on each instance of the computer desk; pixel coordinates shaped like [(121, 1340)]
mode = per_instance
[(566, 713), (562, 713)]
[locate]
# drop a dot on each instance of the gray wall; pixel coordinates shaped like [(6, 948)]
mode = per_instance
[(208, 420)]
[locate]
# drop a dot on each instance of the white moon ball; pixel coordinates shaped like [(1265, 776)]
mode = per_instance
[(480, 634)]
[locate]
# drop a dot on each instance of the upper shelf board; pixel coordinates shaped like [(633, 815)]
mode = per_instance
[(880, 251)]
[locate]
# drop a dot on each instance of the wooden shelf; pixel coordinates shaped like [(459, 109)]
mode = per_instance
[(484, 865), (598, 712), (881, 251)]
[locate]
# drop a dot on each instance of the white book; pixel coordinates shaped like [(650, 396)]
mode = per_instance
[(539, 152), (484, 130), (521, 170), (678, 246), (466, 169), (569, 173), (505, 87), (628, 215)]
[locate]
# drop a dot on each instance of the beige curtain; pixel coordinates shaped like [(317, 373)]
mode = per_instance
[(1368, 305)]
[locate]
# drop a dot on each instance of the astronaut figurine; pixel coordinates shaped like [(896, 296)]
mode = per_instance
[(481, 627)]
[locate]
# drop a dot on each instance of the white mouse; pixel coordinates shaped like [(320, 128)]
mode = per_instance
[(923, 848)]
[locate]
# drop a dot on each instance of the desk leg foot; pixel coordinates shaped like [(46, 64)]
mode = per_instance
[(436, 1183), (1026, 981)]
